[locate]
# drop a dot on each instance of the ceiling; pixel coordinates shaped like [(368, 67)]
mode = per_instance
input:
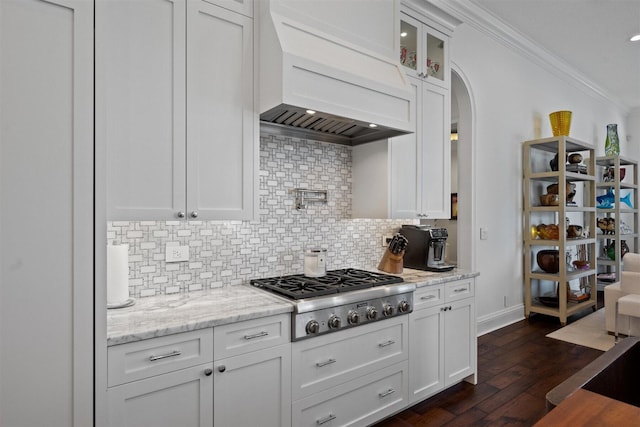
[(591, 36)]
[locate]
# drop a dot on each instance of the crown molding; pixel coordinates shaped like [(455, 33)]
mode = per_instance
[(489, 24)]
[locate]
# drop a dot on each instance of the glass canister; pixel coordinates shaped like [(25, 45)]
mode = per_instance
[(315, 262), (612, 143)]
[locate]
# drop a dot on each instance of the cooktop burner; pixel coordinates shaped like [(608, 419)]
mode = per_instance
[(299, 286)]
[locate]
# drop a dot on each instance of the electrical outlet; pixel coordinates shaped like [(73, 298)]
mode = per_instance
[(484, 233), (386, 240), (176, 253)]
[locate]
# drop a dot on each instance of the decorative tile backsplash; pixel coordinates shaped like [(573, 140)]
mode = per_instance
[(223, 253)]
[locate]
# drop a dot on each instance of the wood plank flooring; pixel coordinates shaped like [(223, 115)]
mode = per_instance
[(517, 366)]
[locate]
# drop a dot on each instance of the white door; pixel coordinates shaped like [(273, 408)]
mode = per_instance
[(254, 389), (406, 164), (222, 146), (459, 341), (436, 152), (426, 361), (46, 212), (140, 106), (182, 398)]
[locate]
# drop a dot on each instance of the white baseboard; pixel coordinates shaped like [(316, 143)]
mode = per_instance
[(500, 319)]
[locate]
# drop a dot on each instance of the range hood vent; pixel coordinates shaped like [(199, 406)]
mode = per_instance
[(297, 122), (348, 87)]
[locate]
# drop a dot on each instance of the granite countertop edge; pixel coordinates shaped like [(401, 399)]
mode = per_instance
[(162, 315)]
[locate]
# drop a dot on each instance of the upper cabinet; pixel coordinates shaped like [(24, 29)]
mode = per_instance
[(175, 114), (412, 172), (424, 51)]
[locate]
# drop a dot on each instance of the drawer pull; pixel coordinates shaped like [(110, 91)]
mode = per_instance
[(459, 290), (386, 344), (164, 356), (325, 420), (428, 297), (386, 393), (328, 362), (258, 335)]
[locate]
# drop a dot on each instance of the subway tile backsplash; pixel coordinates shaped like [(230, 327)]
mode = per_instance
[(224, 253)]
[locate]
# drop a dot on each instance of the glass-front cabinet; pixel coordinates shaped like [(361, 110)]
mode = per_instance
[(423, 51)]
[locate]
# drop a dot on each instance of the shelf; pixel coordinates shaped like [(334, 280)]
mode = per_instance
[(536, 164), (621, 189)]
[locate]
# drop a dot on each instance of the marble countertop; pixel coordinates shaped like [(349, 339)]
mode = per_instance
[(160, 315)]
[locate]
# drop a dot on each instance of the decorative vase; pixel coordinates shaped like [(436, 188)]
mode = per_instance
[(612, 143), (560, 122)]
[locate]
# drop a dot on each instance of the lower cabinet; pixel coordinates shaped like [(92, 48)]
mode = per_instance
[(181, 398), (253, 389), (442, 337), (356, 403)]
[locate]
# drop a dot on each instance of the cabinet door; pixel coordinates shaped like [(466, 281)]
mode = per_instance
[(46, 213), (182, 398), (222, 147), (406, 165), (244, 7), (254, 389), (436, 152), (459, 341), (140, 106), (426, 360)]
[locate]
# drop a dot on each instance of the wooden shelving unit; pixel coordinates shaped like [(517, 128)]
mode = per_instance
[(618, 212), (537, 176)]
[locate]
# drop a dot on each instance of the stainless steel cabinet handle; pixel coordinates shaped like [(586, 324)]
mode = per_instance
[(258, 335), (194, 214), (386, 344), (331, 417), (181, 214), (460, 290), (428, 297), (386, 393), (328, 362), (164, 356)]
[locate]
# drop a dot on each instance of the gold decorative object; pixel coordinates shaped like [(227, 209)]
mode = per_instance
[(560, 122)]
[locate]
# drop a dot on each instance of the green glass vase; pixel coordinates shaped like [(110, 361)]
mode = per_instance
[(612, 143)]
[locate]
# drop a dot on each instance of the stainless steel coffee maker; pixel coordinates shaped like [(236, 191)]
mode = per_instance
[(426, 248)]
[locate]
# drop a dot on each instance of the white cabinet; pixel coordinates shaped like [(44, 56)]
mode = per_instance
[(442, 331), (352, 377), (164, 381), (180, 398), (420, 165), (46, 213), (254, 389), (410, 176), (252, 373), (175, 109)]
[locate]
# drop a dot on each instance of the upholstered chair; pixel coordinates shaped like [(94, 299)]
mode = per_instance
[(629, 284)]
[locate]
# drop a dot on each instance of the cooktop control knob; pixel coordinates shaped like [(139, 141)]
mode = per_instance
[(372, 313), (403, 307), (387, 310), (353, 317), (334, 322), (313, 327)]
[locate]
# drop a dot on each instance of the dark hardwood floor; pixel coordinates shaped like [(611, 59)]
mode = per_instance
[(517, 366)]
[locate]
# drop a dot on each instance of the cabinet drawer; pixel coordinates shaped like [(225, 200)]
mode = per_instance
[(427, 296), (143, 359), (251, 335), (326, 361), (360, 402), (458, 290)]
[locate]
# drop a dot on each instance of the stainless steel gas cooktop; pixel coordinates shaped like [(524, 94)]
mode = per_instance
[(342, 299)]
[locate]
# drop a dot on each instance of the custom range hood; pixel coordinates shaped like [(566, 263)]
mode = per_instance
[(315, 85)]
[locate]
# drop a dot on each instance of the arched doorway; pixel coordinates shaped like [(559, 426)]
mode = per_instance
[(462, 116)]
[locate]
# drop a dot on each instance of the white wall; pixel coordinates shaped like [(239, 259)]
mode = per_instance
[(513, 96), (633, 133)]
